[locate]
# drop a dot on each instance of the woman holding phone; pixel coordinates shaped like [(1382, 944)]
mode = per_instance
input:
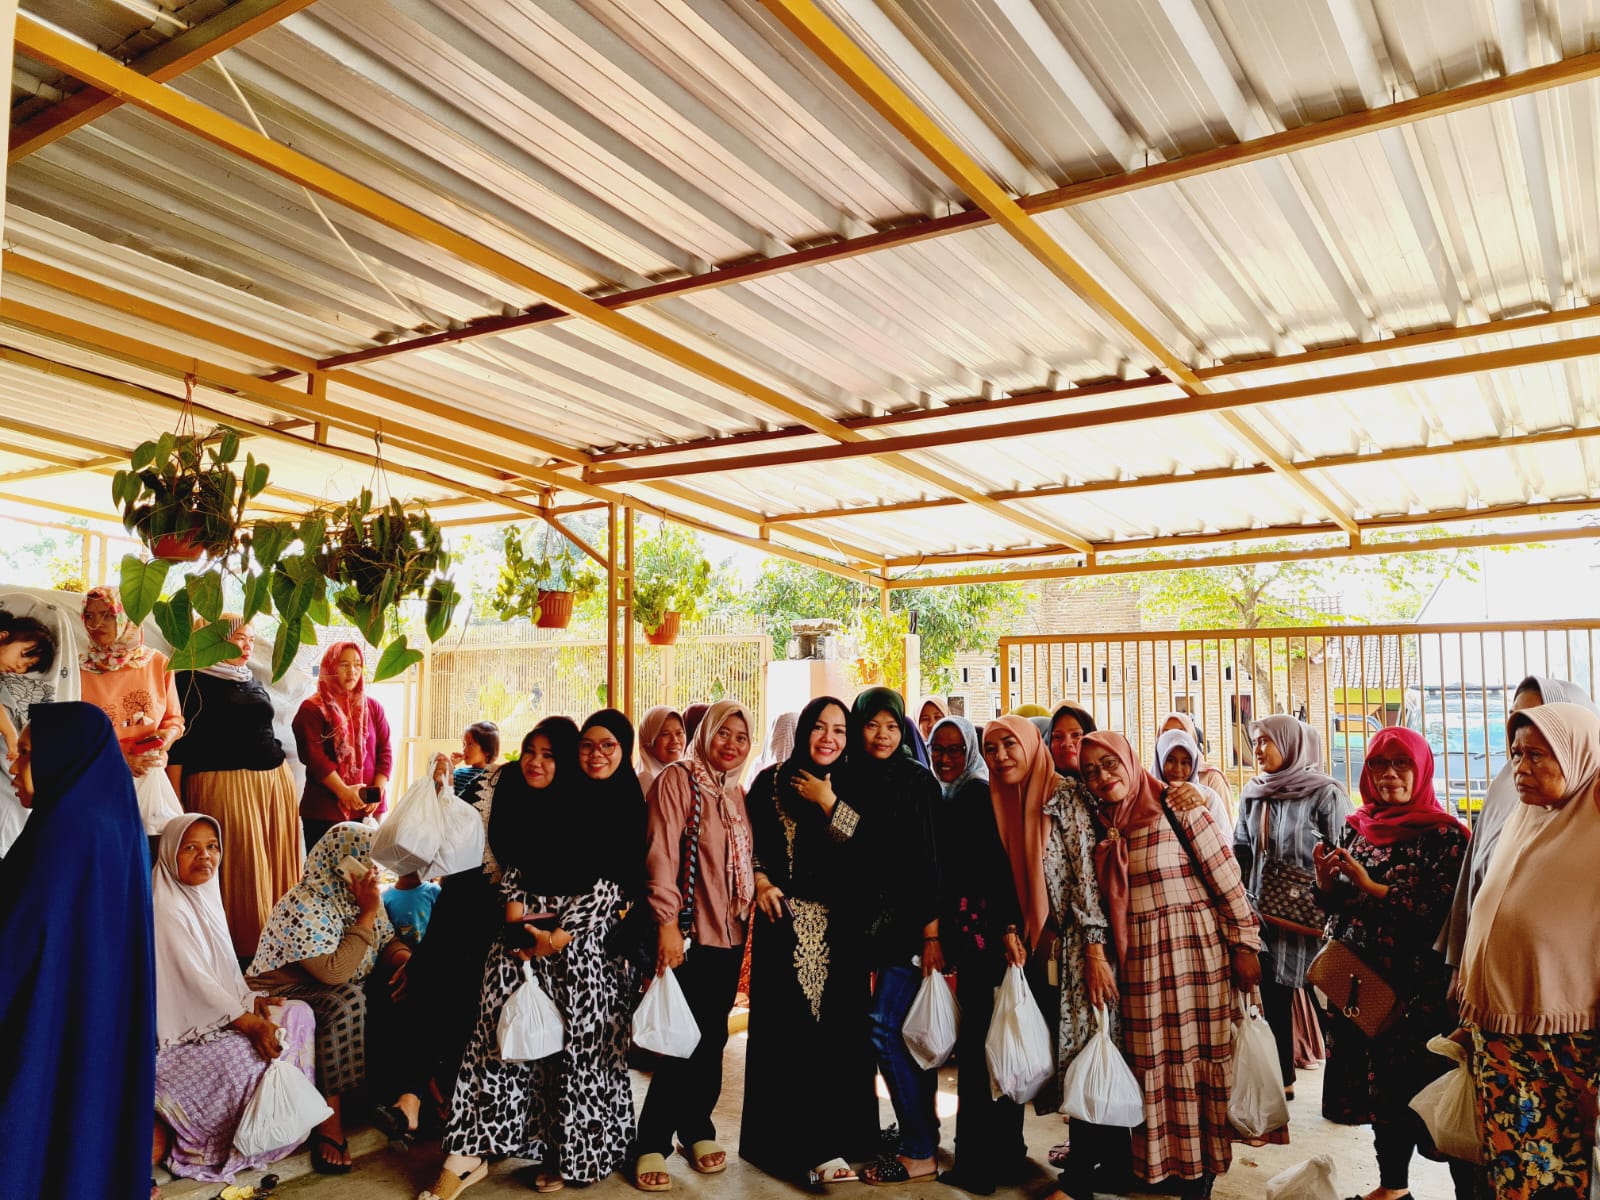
[(342, 736)]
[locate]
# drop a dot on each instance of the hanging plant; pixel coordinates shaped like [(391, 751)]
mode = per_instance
[(542, 587), (181, 495), (672, 578), (376, 557)]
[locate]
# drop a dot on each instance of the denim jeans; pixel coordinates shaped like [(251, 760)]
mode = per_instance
[(911, 1089)]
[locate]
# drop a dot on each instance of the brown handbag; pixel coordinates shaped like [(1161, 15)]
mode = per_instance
[(1288, 895), (1354, 989)]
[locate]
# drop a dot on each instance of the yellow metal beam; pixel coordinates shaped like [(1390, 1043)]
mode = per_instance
[(45, 44), (847, 60), (189, 49)]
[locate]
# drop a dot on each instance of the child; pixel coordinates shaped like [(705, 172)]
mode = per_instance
[(409, 904), (26, 647), (480, 747)]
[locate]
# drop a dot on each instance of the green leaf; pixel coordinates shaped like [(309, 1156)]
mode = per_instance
[(268, 540), (308, 631), (208, 646), (164, 447), (284, 650), (228, 448), (143, 457), (140, 585), (258, 478), (441, 607), (257, 596), (319, 611), (396, 659), (176, 619), (205, 594)]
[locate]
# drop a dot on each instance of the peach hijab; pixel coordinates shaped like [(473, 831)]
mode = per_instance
[(1532, 959), (1019, 813)]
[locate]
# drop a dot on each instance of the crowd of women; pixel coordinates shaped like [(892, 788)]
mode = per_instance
[(874, 849)]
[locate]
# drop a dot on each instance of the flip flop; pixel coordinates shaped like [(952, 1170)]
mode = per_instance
[(835, 1170), (650, 1164), (321, 1165), (449, 1185), (701, 1151), (547, 1181)]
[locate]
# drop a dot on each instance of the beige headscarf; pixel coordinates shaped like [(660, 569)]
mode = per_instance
[(649, 730), (730, 799), (1532, 961), (1019, 814)]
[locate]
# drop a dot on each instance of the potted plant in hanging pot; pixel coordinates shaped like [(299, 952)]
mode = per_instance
[(377, 557), (671, 579), (183, 497), (543, 587)]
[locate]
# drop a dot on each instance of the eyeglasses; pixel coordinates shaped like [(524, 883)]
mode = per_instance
[(947, 751), (1382, 766), (604, 749)]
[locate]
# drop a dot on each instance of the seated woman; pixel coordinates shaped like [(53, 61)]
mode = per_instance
[(1530, 979), (216, 1037), (329, 943)]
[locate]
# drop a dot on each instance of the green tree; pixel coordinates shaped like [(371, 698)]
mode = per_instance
[(950, 620)]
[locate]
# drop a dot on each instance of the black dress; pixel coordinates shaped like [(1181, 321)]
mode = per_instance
[(808, 1090)]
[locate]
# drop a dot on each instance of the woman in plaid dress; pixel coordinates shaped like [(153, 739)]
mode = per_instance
[(1184, 934)]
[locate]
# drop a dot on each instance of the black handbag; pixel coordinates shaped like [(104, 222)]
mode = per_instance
[(1288, 897)]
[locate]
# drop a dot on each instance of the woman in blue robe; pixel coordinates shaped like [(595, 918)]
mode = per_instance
[(77, 976)]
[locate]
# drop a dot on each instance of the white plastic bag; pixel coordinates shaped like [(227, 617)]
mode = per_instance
[(930, 1025), (461, 843), (1449, 1106), (530, 1023), (662, 1022), (1256, 1106), (285, 1108), (1018, 1045), (1098, 1086), (1314, 1179), (158, 803), (410, 836)]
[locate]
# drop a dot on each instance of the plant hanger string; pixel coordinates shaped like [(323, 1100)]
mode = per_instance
[(378, 485)]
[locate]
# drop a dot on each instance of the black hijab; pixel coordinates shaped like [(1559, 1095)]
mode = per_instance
[(616, 806), (546, 833), (863, 767), (800, 757)]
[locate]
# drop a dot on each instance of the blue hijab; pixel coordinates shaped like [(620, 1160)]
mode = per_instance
[(77, 973)]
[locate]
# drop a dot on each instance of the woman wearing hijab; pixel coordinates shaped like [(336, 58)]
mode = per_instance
[(692, 716), (799, 1122), (1185, 937), (342, 736), (1046, 824), (1176, 756), (701, 886), (780, 741), (1204, 774), (1386, 888), (572, 1112), (662, 740), (1498, 806), (234, 771), (605, 755), (216, 1036), (885, 813), (330, 943), (977, 904), (1294, 801), (1069, 725), (930, 711), (131, 684), (77, 980)]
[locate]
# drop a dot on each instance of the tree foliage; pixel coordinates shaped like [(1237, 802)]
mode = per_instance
[(950, 620)]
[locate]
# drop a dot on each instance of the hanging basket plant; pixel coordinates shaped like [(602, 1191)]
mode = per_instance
[(182, 496), (672, 578), (544, 586), (377, 557)]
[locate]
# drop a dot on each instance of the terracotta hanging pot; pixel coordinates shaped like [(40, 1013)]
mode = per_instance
[(666, 633), (177, 547), (555, 610)]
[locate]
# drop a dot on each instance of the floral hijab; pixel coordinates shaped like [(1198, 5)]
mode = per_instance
[(312, 917), (127, 649), (345, 712), (729, 798)]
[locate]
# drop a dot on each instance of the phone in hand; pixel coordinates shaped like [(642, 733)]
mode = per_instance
[(149, 742), (352, 869), (519, 937), (370, 795)]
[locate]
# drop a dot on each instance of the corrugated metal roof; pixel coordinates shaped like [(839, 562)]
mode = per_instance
[(611, 144)]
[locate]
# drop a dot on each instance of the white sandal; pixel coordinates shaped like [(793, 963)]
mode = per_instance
[(835, 1170)]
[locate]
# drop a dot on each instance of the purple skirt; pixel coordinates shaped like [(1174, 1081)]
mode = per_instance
[(202, 1089)]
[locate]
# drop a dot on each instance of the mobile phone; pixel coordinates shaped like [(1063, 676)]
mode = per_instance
[(370, 795), (1327, 843), (352, 869), (519, 937), (150, 741)]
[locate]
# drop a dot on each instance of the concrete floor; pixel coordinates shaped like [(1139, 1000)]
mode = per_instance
[(384, 1174)]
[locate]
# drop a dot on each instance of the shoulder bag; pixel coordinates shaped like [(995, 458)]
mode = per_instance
[(1288, 897), (1354, 988)]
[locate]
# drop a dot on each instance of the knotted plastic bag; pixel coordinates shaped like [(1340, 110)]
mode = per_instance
[(1449, 1106), (284, 1110), (1018, 1044), (930, 1025), (662, 1022), (530, 1026), (1098, 1086), (1256, 1106), (410, 836), (1314, 1179)]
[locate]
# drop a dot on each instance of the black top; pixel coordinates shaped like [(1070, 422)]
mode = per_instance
[(811, 864), (978, 895), (886, 814), (227, 726)]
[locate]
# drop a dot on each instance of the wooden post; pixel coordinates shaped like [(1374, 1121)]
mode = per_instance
[(611, 604), (627, 615)]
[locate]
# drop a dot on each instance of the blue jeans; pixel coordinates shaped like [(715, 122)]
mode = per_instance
[(911, 1089)]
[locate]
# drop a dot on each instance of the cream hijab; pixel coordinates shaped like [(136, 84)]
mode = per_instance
[(649, 730), (199, 987), (1019, 815), (1532, 959)]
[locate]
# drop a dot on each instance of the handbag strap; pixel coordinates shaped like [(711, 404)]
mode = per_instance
[(689, 858)]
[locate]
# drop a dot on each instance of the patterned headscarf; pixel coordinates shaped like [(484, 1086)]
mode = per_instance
[(237, 672), (1140, 808), (127, 648), (345, 712), (730, 800), (312, 917)]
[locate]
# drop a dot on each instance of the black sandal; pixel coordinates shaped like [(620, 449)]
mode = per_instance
[(392, 1120), (321, 1165), (889, 1171)]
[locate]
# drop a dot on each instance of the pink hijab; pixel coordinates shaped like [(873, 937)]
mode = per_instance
[(1387, 824), (1019, 813), (345, 712), (1140, 809)]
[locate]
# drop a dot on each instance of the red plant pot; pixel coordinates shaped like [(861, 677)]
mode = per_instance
[(666, 633), (555, 610), (177, 547)]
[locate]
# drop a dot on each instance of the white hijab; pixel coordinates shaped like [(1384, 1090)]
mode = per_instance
[(199, 987)]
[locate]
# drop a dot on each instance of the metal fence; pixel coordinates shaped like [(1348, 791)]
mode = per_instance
[(516, 675), (1452, 683)]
